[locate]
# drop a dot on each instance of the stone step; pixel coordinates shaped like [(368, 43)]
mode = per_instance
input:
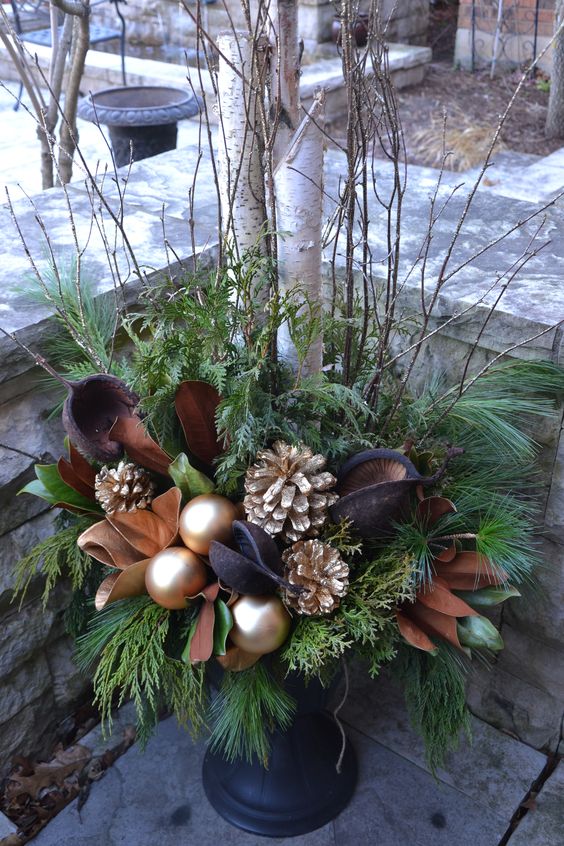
[(407, 64)]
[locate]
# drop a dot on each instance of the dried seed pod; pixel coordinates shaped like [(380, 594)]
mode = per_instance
[(91, 408), (375, 487)]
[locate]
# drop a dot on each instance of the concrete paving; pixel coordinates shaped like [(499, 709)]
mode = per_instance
[(156, 797)]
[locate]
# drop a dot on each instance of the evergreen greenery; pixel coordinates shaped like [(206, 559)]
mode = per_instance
[(249, 706), (56, 556), (435, 693), (129, 638)]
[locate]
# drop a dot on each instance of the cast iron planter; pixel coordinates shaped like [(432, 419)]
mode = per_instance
[(142, 119), (301, 790)]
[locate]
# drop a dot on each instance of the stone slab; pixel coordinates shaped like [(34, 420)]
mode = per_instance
[(544, 825), (398, 803), (155, 797), (494, 770), (509, 702), (6, 827)]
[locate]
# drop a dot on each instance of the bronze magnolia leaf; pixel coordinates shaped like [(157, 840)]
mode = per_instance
[(122, 585), (196, 404), (236, 659), (438, 596), (413, 634), (106, 545), (434, 623), (201, 645), (140, 446), (432, 508), (78, 473)]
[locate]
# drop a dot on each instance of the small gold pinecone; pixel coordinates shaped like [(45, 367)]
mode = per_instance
[(286, 491), (123, 488), (319, 569)]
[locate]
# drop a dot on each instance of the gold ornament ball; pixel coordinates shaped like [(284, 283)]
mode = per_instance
[(206, 518), (260, 624), (174, 574)]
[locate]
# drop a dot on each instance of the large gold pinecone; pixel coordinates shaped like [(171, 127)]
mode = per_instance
[(287, 491), (126, 487), (320, 570)]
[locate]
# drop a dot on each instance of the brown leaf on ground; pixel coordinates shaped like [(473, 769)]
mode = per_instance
[(65, 763)]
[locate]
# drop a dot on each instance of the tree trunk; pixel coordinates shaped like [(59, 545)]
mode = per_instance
[(285, 73), (554, 127), (241, 177), (69, 131), (298, 182)]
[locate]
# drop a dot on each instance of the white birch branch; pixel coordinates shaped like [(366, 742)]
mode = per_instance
[(285, 73), (298, 188), (241, 179)]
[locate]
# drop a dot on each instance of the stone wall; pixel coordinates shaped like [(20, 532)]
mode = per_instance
[(39, 684), (165, 28)]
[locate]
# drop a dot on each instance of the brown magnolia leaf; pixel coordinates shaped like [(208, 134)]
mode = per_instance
[(122, 585), (167, 507), (140, 446), (432, 508), (438, 596), (196, 404), (107, 545), (434, 623), (70, 478), (474, 565), (413, 634), (467, 582), (81, 466), (447, 554), (201, 645), (143, 530)]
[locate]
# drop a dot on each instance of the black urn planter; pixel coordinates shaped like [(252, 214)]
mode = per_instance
[(301, 790), (142, 119)]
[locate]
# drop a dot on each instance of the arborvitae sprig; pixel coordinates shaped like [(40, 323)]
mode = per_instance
[(56, 556), (315, 644), (129, 638)]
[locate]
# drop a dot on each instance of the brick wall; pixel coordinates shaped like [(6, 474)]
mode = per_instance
[(516, 35)]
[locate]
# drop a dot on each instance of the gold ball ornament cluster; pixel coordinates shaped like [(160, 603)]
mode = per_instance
[(288, 491), (173, 575), (126, 487), (206, 518), (319, 569), (261, 624)]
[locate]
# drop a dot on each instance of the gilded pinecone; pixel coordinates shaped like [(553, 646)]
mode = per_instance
[(319, 569), (286, 491), (123, 488)]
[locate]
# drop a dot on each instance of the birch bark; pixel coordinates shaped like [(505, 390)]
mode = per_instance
[(239, 158), (285, 73), (298, 186)]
